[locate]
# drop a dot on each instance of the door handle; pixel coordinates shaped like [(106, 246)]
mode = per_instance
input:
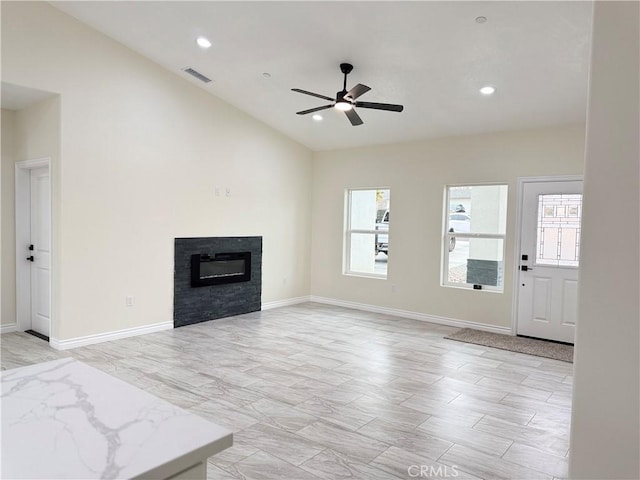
[(525, 268), (30, 258)]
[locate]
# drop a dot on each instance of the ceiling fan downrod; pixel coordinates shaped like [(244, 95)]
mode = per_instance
[(346, 69)]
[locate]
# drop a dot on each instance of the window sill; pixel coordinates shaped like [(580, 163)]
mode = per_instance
[(365, 275), (470, 287)]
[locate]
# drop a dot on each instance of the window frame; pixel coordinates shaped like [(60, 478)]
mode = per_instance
[(447, 235), (348, 232)]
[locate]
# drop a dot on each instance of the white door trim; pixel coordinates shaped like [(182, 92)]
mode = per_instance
[(518, 243), (23, 229)]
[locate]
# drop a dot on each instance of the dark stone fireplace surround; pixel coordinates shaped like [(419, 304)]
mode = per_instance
[(200, 304)]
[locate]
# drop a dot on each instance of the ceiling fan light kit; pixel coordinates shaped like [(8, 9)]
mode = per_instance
[(344, 106), (346, 100)]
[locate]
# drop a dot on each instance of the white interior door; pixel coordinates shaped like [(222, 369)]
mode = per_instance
[(549, 259), (41, 240)]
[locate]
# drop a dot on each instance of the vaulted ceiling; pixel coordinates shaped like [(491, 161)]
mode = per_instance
[(432, 57)]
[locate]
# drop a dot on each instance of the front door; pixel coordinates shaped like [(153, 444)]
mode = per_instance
[(40, 250), (549, 259)]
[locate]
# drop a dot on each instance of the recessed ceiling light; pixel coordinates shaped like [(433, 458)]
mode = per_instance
[(488, 90), (203, 42), (317, 117), (481, 19)]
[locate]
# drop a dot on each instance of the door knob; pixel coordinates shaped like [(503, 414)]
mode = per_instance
[(30, 258)]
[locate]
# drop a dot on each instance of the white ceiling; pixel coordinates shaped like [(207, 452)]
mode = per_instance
[(430, 56)]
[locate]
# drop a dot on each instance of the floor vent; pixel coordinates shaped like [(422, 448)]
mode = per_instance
[(196, 74)]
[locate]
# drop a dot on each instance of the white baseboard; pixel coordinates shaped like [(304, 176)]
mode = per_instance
[(108, 336), (450, 322), (285, 303), (157, 327), (10, 327)]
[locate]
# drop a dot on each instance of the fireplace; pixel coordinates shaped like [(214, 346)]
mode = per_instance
[(216, 277), (220, 268)]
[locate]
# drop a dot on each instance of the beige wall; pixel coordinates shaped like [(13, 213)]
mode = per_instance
[(417, 173), (141, 152), (605, 429), (7, 235)]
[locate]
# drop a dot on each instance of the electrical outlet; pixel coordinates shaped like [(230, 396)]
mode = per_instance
[(228, 192), (130, 301)]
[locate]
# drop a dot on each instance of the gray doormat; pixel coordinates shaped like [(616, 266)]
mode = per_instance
[(531, 346)]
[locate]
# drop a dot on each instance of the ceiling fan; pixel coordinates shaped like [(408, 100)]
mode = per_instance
[(346, 100)]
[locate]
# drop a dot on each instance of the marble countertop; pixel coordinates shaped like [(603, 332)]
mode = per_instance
[(65, 419)]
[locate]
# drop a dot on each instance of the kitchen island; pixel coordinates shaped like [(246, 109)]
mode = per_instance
[(64, 420)]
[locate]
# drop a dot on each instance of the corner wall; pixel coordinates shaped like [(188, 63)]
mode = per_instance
[(605, 428), (416, 173), (142, 151), (7, 235)]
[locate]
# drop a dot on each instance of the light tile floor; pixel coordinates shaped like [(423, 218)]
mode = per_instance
[(319, 392)]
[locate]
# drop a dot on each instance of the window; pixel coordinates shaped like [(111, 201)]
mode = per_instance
[(558, 232), (367, 232), (474, 236)]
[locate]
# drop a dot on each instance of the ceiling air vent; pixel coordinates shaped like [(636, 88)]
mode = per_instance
[(196, 74)]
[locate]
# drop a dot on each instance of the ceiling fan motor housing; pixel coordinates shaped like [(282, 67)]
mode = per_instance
[(340, 97)]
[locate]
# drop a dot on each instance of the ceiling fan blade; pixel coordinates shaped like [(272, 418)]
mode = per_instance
[(311, 110), (354, 118), (380, 106), (356, 91), (313, 94)]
